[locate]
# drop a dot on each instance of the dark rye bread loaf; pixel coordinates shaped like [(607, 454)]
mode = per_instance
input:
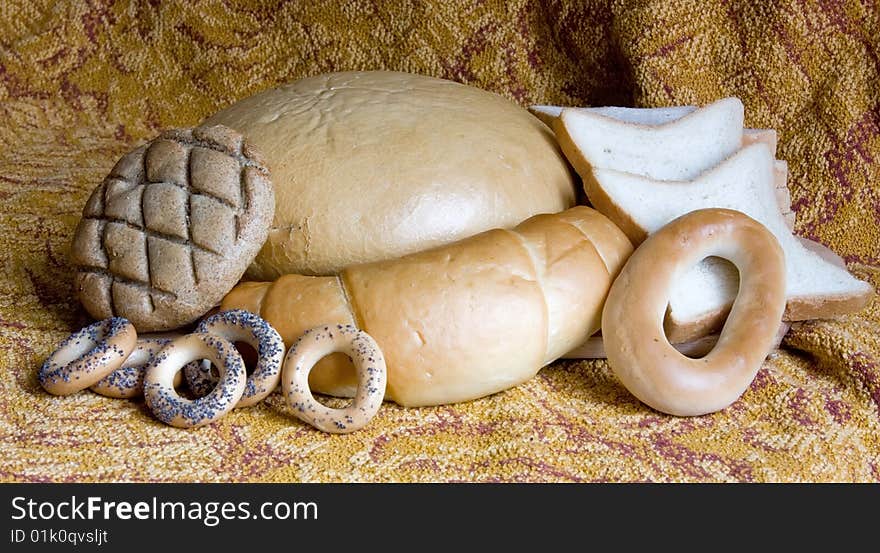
[(172, 228)]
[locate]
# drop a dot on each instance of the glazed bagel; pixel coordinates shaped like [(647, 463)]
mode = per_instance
[(632, 319)]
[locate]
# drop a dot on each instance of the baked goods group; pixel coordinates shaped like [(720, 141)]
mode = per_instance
[(388, 236)]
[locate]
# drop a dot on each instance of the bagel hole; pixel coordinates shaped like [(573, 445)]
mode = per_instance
[(696, 347), (80, 348), (182, 389), (74, 353), (707, 282), (248, 355), (333, 402), (334, 371), (696, 278)]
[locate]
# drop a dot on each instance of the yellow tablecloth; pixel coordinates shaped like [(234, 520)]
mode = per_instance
[(83, 82)]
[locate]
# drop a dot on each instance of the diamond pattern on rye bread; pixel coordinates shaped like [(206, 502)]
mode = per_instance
[(172, 228), (699, 302)]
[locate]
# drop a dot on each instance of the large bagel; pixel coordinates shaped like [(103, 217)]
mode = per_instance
[(632, 319), (369, 166)]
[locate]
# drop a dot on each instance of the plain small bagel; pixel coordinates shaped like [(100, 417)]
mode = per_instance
[(632, 320), (238, 325), (87, 356), (171, 408), (128, 380), (315, 344)]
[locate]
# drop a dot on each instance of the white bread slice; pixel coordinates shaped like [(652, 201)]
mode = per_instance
[(702, 296), (660, 116), (649, 116), (678, 150)]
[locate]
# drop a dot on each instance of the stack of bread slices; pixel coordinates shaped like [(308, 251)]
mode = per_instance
[(643, 168)]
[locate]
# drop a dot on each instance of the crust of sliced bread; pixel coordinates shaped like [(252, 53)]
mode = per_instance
[(546, 113), (768, 136), (783, 193), (825, 307), (783, 196)]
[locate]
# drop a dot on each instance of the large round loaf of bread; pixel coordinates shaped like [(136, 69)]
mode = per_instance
[(373, 165)]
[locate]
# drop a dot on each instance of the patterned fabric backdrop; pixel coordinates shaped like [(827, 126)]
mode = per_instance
[(83, 82)]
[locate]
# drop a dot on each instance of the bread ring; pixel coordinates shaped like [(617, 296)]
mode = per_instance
[(632, 320), (87, 356), (172, 409), (128, 380), (238, 325), (311, 347)]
